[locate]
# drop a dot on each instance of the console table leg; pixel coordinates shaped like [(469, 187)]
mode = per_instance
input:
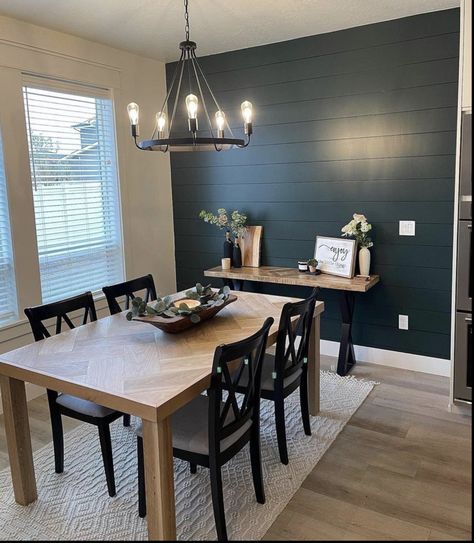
[(346, 349), (234, 284)]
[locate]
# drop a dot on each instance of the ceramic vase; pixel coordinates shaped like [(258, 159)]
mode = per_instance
[(237, 256), (364, 261), (228, 247)]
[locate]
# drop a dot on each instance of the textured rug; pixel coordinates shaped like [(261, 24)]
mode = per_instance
[(75, 505)]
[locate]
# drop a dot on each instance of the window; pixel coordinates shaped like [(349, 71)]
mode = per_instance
[(75, 189), (8, 304)]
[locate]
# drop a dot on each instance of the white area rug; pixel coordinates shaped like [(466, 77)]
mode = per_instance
[(75, 504)]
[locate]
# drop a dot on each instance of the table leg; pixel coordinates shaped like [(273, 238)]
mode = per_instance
[(17, 430), (159, 480), (314, 364), (346, 349)]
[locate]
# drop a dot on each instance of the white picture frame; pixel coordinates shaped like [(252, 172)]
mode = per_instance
[(336, 256)]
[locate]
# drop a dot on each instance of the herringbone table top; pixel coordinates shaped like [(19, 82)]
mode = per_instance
[(134, 367)]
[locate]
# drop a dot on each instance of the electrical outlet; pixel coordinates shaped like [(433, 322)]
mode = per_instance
[(403, 322), (406, 228)]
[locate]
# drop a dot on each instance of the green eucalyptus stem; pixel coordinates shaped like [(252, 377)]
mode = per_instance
[(164, 307)]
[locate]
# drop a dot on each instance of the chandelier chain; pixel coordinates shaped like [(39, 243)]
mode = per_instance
[(186, 18)]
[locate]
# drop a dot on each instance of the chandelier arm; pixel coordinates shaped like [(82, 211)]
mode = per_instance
[(177, 95), (165, 101), (203, 101), (245, 144), (210, 90)]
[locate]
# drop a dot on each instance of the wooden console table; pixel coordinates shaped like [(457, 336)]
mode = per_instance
[(291, 276)]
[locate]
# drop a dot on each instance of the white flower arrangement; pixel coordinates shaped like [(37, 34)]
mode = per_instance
[(358, 228)]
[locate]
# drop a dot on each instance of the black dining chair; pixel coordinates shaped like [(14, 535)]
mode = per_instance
[(129, 290), (212, 429), (287, 370), (66, 404)]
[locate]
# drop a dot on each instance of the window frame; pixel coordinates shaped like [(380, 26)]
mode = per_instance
[(91, 91), (15, 309)]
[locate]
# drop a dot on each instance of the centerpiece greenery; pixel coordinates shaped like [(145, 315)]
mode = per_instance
[(164, 307)]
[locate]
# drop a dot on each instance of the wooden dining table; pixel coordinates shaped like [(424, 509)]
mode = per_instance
[(134, 368)]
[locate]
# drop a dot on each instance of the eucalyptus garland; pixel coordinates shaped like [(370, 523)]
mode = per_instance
[(164, 307)]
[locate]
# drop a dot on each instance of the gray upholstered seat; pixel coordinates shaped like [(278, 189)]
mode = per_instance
[(267, 380), (190, 427), (85, 407)]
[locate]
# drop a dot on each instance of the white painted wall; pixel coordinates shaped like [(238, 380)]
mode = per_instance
[(145, 179), (466, 36), (464, 104)]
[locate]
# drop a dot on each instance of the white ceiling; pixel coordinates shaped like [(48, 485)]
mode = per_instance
[(155, 27)]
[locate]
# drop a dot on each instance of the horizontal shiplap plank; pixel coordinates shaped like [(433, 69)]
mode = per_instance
[(401, 79), (362, 60), (411, 145), (394, 168), (332, 191), (438, 235), (395, 31), (427, 212)]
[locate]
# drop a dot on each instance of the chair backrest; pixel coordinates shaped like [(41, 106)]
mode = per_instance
[(290, 356), (129, 289), (60, 310), (231, 362)]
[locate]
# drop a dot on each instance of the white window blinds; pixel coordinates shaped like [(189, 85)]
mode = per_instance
[(75, 189), (8, 303)]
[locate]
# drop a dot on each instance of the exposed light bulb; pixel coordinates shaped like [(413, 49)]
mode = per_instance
[(192, 105), (133, 112), (220, 123), (246, 108), (160, 121)]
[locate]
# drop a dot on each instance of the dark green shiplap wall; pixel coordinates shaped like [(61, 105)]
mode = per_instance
[(361, 120)]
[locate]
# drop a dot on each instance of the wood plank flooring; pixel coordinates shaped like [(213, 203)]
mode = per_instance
[(400, 470)]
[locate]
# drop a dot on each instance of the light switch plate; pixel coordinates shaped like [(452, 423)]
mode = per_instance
[(406, 228), (403, 322)]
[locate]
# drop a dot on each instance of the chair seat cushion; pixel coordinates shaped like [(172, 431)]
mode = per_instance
[(268, 368), (190, 427), (84, 407)]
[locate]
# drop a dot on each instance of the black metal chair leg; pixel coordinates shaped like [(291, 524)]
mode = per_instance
[(126, 420), (106, 447), (141, 479), (281, 430), (256, 460), (304, 402), (218, 502), (193, 467), (57, 429)]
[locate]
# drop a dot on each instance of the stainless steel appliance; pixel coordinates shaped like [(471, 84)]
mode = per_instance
[(463, 325)]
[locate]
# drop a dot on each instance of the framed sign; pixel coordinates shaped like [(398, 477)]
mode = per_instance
[(336, 256)]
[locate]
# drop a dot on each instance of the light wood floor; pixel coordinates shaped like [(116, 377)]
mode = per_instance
[(400, 469)]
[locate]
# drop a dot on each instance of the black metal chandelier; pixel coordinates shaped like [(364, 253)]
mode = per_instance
[(188, 68)]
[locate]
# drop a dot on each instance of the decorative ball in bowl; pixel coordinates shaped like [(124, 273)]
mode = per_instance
[(176, 315)]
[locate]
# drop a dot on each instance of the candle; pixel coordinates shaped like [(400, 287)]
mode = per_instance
[(188, 301), (226, 263)]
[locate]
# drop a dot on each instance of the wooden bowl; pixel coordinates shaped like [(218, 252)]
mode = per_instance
[(173, 325)]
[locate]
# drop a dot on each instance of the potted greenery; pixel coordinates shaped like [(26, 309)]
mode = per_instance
[(359, 228), (312, 265), (234, 225)]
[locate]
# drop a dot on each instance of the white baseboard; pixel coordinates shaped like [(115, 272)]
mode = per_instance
[(394, 359)]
